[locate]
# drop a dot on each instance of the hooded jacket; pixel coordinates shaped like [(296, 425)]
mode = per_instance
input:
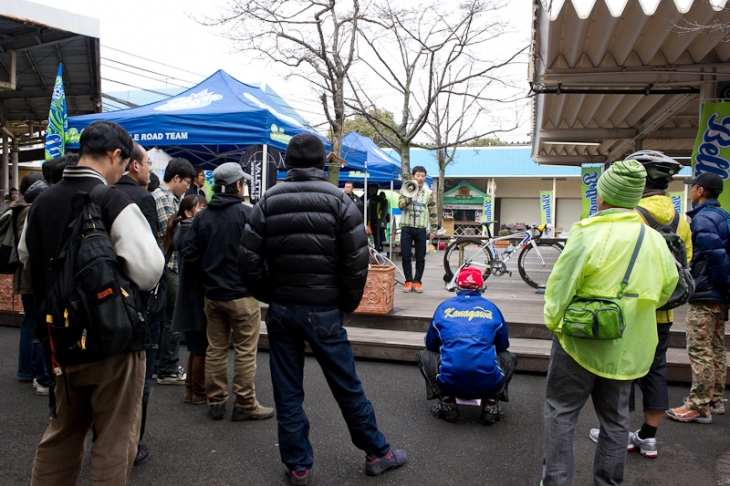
[(593, 264), (661, 207), (468, 331), (212, 245), (305, 244), (710, 265)]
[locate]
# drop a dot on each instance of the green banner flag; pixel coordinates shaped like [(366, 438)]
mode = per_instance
[(488, 213), (588, 180), (57, 120), (678, 202), (712, 147), (546, 207)]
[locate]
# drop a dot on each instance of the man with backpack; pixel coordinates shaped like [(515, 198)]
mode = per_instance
[(106, 392), (657, 210), (708, 306)]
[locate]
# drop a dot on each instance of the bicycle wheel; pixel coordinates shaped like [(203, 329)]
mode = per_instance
[(463, 250), (400, 278), (534, 272)]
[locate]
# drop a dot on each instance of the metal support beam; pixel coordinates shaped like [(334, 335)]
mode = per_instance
[(571, 160), (674, 105), (5, 162), (45, 94), (12, 82), (14, 161), (578, 134)]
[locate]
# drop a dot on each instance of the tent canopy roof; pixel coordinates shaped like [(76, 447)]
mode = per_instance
[(209, 123)]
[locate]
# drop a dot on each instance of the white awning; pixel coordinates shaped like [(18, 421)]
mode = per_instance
[(609, 76)]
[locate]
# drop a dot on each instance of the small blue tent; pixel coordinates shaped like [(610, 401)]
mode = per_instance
[(210, 123)]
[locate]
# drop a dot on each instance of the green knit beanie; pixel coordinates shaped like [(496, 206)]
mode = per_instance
[(622, 184)]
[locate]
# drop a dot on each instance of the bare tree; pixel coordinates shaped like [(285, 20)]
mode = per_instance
[(315, 34), (451, 123), (421, 53)]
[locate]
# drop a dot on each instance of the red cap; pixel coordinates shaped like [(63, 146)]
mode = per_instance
[(470, 278)]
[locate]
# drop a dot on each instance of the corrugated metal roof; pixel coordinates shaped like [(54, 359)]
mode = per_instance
[(493, 162), (620, 74)]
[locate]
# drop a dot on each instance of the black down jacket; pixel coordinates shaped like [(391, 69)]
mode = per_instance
[(305, 244)]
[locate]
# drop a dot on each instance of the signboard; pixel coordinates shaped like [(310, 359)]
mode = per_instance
[(588, 180), (678, 202), (488, 213), (546, 207), (712, 146)]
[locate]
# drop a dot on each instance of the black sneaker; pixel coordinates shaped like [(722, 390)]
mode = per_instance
[(143, 454), (491, 412), (446, 410), (217, 411), (300, 477), (375, 466)]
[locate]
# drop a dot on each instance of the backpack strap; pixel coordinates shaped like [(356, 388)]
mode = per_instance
[(99, 192), (634, 255), (653, 223)]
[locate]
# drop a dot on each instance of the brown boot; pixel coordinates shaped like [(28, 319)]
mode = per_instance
[(188, 396), (198, 372)]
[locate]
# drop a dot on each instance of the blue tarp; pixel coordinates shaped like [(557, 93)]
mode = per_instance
[(211, 123)]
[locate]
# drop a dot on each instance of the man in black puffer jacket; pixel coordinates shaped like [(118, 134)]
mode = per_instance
[(707, 311), (304, 251)]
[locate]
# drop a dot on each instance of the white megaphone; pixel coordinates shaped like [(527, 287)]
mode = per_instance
[(409, 189)]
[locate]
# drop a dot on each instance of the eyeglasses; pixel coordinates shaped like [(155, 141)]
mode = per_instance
[(187, 181)]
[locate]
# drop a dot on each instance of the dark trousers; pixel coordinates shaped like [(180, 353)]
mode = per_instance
[(413, 237), (153, 328), (289, 327), (32, 359), (429, 363), (653, 385), (568, 387), (169, 353)]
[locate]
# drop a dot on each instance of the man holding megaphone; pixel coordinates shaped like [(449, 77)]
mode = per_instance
[(418, 223)]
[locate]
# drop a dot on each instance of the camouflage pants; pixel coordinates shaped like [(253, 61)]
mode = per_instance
[(706, 349)]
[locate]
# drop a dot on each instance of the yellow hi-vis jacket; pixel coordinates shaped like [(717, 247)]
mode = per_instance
[(662, 209), (593, 264)]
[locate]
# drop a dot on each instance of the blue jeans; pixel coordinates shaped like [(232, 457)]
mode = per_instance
[(415, 237), (289, 326), (168, 353), (31, 357)]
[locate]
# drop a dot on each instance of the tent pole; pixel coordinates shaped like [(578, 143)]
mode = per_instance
[(264, 168), (365, 199), (391, 235)]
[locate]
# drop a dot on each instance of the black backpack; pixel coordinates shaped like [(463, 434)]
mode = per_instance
[(686, 284), (9, 261), (92, 310)]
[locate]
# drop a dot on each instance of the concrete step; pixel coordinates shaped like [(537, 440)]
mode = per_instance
[(533, 354), (517, 328)]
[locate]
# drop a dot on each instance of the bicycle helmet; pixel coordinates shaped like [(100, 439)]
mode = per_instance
[(660, 169)]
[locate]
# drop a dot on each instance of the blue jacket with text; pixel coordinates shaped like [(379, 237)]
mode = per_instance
[(468, 331)]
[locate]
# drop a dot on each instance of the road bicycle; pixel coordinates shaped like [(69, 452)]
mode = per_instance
[(535, 262), (379, 258)]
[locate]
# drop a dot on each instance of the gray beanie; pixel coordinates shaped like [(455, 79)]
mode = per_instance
[(622, 184), (229, 173)]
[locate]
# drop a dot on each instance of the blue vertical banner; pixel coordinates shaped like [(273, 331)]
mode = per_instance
[(546, 207), (488, 214), (57, 120), (678, 202), (588, 181)]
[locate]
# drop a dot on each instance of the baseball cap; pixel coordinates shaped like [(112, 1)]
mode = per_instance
[(229, 173), (470, 278), (707, 180)]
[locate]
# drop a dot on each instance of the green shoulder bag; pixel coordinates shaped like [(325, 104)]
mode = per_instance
[(596, 317)]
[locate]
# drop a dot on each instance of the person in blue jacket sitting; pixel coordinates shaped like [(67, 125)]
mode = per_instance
[(466, 352)]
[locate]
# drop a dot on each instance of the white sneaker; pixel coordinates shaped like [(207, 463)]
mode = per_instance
[(35, 383), (647, 447), (41, 390), (177, 378)]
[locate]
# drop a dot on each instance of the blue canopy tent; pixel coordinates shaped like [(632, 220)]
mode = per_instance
[(210, 123)]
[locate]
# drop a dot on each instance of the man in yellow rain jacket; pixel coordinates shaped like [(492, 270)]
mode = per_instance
[(593, 264), (660, 170)]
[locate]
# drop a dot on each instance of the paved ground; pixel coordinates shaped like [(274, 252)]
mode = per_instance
[(188, 448)]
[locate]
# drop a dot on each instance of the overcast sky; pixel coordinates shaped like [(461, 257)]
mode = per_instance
[(162, 31)]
